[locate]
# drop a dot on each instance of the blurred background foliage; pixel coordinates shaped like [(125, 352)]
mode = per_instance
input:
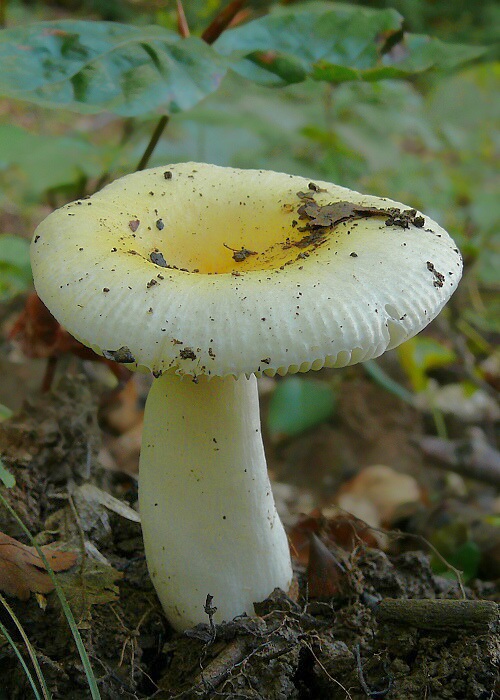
[(430, 140)]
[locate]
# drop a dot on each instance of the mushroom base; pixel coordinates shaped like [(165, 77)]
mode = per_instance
[(209, 520)]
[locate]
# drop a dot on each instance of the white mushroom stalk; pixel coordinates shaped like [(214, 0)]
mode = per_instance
[(207, 276), (211, 525)]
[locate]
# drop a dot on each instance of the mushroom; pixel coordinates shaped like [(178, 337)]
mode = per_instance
[(206, 277)]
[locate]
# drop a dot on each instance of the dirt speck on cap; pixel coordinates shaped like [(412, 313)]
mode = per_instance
[(123, 355)]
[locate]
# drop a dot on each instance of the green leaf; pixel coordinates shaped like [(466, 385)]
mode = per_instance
[(5, 412), (6, 477), (95, 66), (334, 44), (298, 404), (455, 545), (417, 53), (343, 38), (15, 269), (421, 354)]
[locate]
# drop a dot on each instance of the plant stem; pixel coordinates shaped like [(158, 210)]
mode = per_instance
[(182, 25), (211, 33), (153, 142), (222, 21)]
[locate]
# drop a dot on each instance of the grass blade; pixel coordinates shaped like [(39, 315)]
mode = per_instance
[(94, 690), (31, 651), (26, 670)]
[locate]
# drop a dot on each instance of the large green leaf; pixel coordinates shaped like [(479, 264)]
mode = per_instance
[(335, 44), (297, 43), (94, 66), (417, 53)]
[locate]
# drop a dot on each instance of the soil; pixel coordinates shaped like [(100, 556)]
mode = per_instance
[(355, 644)]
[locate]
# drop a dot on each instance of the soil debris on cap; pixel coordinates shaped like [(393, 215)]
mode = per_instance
[(241, 254), (134, 225), (404, 218), (439, 277), (187, 354), (157, 258), (322, 218), (122, 355)]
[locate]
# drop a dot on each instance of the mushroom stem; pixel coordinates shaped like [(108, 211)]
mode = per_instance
[(209, 520)]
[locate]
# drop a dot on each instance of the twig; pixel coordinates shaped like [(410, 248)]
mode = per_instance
[(438, 614), (152, 142), (220, 668), (210, 610), (222, 21), (81, 534), (473, 458), (363, 683), (334, 680), (399, 534)]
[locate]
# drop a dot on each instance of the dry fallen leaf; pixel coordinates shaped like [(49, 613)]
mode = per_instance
[(381, 487), (340, 529), (326, 574), (22, 569)]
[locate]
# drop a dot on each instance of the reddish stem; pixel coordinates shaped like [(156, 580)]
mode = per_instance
[(222, 21)]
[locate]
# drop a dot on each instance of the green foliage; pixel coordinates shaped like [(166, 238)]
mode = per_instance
[(5, 412), (454, 543), (297, 405), (448, 19), (90, 67), (6, 477), (15, 269), (37, 163), (420, 355), (335, 44), (94, 66)]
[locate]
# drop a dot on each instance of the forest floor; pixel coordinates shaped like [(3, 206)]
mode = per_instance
[(369, 617)]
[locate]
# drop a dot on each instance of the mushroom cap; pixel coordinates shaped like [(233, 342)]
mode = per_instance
[(201, 269)]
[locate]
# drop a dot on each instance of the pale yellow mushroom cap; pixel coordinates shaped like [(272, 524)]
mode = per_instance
[(208, 270)]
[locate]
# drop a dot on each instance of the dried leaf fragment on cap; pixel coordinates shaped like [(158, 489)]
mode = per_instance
[(23, 571)]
